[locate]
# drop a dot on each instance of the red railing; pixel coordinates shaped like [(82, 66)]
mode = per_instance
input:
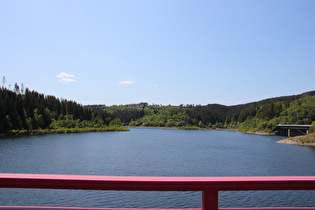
[(210, 186)]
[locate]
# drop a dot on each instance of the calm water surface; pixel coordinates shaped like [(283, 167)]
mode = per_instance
[(155, 152)]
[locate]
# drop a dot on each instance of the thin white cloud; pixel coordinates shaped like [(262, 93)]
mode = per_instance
[(63, 74), (65, 78), (127, 82), (155, 86)]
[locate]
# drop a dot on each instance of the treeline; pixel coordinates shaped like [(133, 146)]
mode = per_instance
[(300, 111), (257, 116), (125, 113), (25, 110)]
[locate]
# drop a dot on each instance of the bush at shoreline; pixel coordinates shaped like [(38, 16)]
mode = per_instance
[(65, 130)]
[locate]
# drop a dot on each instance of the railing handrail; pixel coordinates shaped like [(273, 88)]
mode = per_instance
[(208, 185), (83, 182)]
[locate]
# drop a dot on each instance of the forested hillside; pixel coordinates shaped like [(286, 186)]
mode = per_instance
[(257, 116), (25, 111)]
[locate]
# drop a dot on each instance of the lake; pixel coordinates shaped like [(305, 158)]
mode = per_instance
[(155, 152)]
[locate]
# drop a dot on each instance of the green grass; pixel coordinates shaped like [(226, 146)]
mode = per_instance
[(189, 127), (66, 130)]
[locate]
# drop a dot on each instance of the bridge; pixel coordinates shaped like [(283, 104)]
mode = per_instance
[(293, 130), (209, 186)]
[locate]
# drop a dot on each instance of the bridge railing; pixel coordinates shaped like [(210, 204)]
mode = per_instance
[(209, 186)]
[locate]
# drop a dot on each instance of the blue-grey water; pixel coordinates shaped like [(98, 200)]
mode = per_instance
[(155, 152)]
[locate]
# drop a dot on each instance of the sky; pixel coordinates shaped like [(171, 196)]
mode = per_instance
[(161, 52)]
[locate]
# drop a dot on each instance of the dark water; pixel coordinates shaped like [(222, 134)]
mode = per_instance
[(155, 152)]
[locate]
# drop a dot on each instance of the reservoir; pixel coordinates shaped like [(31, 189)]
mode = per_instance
[(155, 152)]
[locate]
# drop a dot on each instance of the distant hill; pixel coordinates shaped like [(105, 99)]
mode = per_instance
[(262, 115), (23, 112)]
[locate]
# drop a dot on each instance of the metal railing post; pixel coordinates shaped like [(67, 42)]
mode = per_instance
[(210, 200)]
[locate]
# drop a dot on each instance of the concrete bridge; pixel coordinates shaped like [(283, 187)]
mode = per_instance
[(293, 130)]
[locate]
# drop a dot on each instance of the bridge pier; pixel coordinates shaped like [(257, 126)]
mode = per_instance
[(293, 130)]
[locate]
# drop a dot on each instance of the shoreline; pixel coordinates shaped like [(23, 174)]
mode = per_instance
[(149, 127), (62, 131), (296, 143), (206, 129), (259, 133), (304, 140), (177, 128)]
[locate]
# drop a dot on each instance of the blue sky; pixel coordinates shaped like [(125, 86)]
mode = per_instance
[(162, 52)]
